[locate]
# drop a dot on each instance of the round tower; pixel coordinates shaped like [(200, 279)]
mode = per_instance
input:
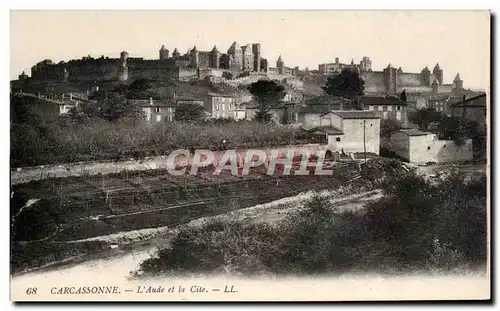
[(194, 57), (175, 53), (457, 82), (163, 53), (214, 58), (280, 64), (435, 86), (425, 77), (123, 69), (438, 73)]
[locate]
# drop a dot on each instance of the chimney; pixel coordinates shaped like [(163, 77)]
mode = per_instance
[(151, 101)]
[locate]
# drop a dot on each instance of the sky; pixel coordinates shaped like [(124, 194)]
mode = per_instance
[(458, 40)]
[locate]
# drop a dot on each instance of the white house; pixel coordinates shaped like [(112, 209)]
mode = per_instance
[(350, 131), (422, 147)]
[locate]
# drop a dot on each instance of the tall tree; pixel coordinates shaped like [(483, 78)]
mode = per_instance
[(269, 94), (347, 84)]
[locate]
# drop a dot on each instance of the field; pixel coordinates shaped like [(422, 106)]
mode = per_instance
[(78, 208)]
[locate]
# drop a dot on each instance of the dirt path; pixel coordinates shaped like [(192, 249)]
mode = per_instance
[(117, 263)]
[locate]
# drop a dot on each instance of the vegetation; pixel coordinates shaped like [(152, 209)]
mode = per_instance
[(389, 126), (452, 128), (62, 140), (416, 226), (348, 84), (269, 94), (189, 113)]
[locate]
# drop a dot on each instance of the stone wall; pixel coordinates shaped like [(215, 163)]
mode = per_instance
[(24, 175)]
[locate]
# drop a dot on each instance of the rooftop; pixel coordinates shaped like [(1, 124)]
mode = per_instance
[(413, 132), (382, 100), (330, 130), (472, 102), (355, 114)]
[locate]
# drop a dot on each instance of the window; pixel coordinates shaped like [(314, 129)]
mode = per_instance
[(399, 107), (370, 108), (157, 109), (337, 139), (389, 108)]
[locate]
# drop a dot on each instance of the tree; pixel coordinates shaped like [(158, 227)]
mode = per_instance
[(348, 84), (389, 126), (269, 94), (189, 112), (425, 118), (111, 106)]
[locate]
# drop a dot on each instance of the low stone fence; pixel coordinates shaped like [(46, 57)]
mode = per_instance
[(27, 174)]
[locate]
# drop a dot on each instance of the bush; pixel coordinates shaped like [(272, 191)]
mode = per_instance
[(415, 226)]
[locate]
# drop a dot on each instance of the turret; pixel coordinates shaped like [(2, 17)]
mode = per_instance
[(425, 77), (438, 73), (256, 56), (194, 57), (435, 86), (280, 64), (457, 82), (163, 53), (214, 58), (175, 53), (123, 69)]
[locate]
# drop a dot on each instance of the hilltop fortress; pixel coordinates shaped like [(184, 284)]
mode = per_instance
[(194, 64), (393, 80)]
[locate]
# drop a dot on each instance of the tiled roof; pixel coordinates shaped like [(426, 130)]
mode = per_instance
[(472, 102), (325, 129), (380, 100), (413, 132), (356, 114)]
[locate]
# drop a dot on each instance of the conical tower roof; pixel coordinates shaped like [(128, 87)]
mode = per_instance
[(280, 60), (437, 67), (163, 47), (214, 49), (232, 49), (194, 49), (176, 51), (457, 77)]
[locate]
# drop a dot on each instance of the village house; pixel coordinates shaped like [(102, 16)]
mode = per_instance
[(356, 131), (423, 147), (223, 106), (309, 113), (156, 111), (387, 107), (189, 100), (473, 109)]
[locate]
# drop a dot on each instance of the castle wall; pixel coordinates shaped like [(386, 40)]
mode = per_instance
[(374, 81), (203, 59), (414, 89), (410, 79)]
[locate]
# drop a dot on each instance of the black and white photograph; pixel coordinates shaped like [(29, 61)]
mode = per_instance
[(252, 155)]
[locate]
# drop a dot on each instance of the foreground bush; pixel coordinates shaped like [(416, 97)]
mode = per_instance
[(416, 226)]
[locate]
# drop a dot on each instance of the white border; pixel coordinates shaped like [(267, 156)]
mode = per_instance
[(194, 4)]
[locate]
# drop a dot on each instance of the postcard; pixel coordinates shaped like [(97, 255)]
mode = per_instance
[(250, 155)]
